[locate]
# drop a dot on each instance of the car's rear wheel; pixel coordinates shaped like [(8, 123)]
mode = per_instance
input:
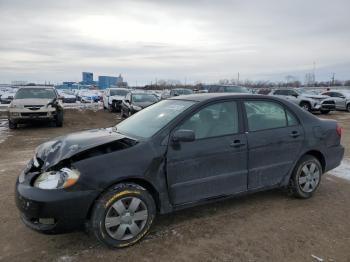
[(306, 177), (12, 125), (325, 112), (123, 216), (306, 106)]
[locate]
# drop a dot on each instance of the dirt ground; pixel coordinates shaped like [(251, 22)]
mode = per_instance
[(268, 226)]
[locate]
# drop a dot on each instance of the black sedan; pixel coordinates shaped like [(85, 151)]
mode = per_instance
[(135, 102), (178, 153)]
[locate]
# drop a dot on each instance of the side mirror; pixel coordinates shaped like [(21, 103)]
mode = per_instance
[(295, 95), (183, 135)]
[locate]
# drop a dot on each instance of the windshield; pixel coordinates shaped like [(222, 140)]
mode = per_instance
[(150, 120), (119, 92), (40, 93), (139, 98), (236, 89)]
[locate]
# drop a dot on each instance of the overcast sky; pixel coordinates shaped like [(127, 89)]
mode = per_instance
[(196, 40)]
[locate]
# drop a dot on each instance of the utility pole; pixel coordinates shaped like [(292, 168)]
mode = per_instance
[(238, 78), (333, 79), (313, 73)]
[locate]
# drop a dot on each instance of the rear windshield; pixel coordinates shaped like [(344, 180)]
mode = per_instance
[(44, 93), (137, 98)]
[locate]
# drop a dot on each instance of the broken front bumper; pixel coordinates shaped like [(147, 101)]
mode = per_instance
[(25, 115), (53, 211)]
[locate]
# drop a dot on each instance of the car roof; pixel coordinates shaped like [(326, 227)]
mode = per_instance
[(213, 96)]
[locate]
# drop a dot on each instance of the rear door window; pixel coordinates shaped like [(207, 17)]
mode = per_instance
[(262, 115)]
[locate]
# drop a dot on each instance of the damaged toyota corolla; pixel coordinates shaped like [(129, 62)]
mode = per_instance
[(178, 153)]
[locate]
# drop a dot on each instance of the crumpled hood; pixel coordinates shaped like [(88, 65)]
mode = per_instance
[(52, 152)]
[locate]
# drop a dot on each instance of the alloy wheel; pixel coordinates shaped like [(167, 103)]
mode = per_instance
[(309, 177), (126, 218)]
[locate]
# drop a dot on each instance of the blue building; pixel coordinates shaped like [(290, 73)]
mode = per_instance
[(107, 81), (88, 78)]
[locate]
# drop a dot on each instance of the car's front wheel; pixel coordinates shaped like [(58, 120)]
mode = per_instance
[(306, 177), (306, 106), (123, 216)]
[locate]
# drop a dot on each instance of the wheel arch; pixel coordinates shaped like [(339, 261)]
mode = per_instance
[(138, 181), (305, 101), (319, 156)]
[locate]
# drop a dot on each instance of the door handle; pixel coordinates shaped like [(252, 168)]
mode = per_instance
[(294, 134), (237, 143)]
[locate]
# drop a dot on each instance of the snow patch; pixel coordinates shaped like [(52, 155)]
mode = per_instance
[(343, 170)]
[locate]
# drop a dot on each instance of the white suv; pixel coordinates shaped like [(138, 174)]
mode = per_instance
[(307, 99), (113, 97)]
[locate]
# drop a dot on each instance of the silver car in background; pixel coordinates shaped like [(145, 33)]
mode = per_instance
[(307, 99), (35, 104), (341, 99)]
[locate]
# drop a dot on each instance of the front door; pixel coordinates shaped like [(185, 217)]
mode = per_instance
[(215, 163)]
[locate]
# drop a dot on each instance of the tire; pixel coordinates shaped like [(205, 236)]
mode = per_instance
[(110, 108), (120, 206), (12, 125), (348, 107), (122, 113), (303, 184), (306, 106), (115, 106), (59, 119), (325, 112)]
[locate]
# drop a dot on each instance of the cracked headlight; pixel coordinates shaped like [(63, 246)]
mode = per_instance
[(63, 178)]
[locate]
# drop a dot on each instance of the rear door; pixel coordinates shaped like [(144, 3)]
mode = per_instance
[(275, 138), (215, 163)]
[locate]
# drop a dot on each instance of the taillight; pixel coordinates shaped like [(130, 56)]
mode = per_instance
[(338, 129)]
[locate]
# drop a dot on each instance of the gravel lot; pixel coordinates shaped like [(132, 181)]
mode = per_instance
[(267, 226)]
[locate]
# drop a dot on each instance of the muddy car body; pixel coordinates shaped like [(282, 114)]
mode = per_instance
[(115, 180)]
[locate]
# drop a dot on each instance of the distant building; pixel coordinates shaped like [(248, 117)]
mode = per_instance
[(108, 81), (88, 78)]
